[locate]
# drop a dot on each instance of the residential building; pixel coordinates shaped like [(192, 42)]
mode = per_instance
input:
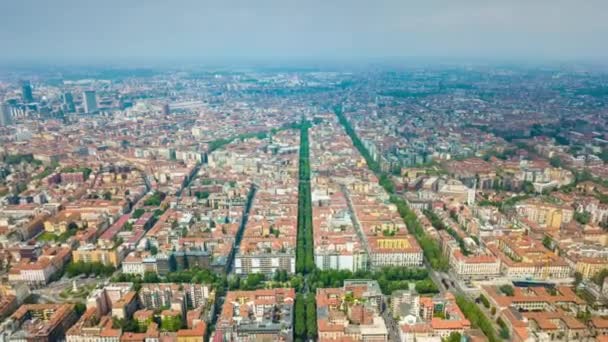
[(257, 315)]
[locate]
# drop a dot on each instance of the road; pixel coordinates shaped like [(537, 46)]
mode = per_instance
[(355, 220), (237, 241), (50, 293), (454, 287), (239, 233), (191, 177), (437, 277), (391, 325)]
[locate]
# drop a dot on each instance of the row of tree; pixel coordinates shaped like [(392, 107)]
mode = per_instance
[(305, 260), (89, 268), (191, 275), (218, 143), (169, 323), (305, 311), (137, 213), (477, 318), (14, 159), (305, 322), (389, 278), (253, 281), (86, 171), (155, 200), (430, 247), (438, 223)]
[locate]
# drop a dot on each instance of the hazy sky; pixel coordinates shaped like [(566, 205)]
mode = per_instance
[(317, 29)]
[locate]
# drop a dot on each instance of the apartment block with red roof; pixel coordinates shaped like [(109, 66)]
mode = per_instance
[(257, 315)]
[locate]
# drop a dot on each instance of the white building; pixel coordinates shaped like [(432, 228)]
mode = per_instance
[(266, 263), (474, 266)]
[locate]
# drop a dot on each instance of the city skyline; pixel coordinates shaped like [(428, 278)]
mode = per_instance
[(321, 171)]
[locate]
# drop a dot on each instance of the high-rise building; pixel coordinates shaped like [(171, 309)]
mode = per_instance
[(90, 101), (166, 109), (68, 102), (26, 92), (5, 115)]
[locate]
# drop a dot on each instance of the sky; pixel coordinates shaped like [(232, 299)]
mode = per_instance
[(105, 30)]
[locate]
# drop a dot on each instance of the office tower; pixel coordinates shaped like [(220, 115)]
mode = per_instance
[(166, 109), (26, 92), (5, 115), (68, 102), (89, 100)]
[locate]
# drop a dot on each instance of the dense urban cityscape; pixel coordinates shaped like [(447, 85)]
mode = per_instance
[(422, 203), (303, 171)]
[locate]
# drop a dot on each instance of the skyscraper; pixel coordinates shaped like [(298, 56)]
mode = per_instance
[(90, 101), (26, 92), (68, 102), (5, 115)]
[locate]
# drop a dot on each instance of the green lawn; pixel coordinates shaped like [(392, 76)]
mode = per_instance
[(47, 236)]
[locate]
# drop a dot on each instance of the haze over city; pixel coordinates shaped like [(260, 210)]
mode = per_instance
[(114, 30), (303, 171)]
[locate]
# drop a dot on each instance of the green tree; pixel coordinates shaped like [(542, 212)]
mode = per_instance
[(171, 323), (201, 194), (131, 326), (137, 213), (454, 337), (604, 155), (556, 161), (582, 217), (547, 242), (504, 333), (599, 277), (484, 301), (72, 226), (387, 183), (431, 249), (80, 308), (305, 262), (296, 282), (584, 316), (253, 281), (311, 317), (234, 283), (151, 277), (578, 278), (300, 314), (477, 317), (128, 226), (118, 323), (507, 290), (426, 286), (155, 199), (527, 187)]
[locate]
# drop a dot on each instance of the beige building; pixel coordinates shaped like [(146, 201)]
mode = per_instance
[(91, 253), (474, 266), (588, 267), (59, 223), (545, 214)]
